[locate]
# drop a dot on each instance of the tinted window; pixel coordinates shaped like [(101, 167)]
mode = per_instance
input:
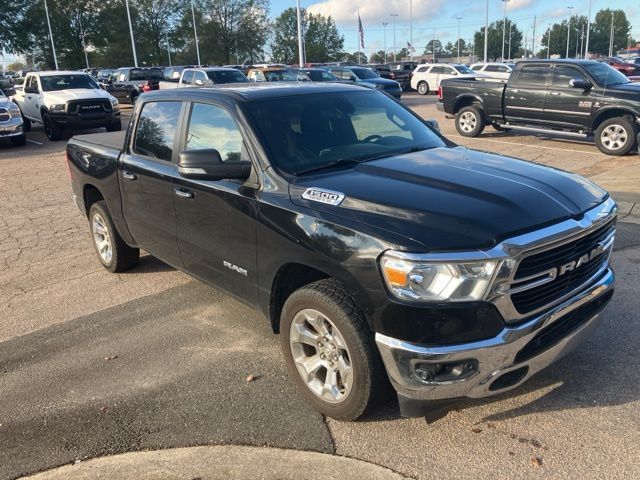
[(280, 76), (463, 69), (364, 73), (437, 70), (227, 76), (605, 74), (211, 126), (422, 69), (447, 71), (491, 68), (477, 68), (503, 69), (310, 131), (320, 76), (156, 130), (563, 74), (534, 75), (199, 76), (187, 77), (150, 74)]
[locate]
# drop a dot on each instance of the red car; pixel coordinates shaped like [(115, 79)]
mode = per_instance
[(629, 69)]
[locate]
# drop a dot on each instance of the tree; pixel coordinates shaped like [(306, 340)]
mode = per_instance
[(322, 41), (377, 57), (601, 31), (428, 50), (494, 44), (554, 40), (15, 66)]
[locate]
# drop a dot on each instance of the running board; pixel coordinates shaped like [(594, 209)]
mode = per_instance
[(544, 130)]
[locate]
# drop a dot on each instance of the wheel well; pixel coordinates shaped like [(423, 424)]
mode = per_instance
[(465, 102), (290, 277), (612, 113), (91, 195)]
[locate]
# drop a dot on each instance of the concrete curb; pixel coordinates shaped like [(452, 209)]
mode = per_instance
[(628, 212), (221, 463)]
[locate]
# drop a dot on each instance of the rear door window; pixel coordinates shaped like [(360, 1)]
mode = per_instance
[(534, 75), (156, 130)]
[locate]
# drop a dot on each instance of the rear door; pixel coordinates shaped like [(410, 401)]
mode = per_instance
[(146, 170), (525, 95), (566, 106), (118, 88), (31, 100), (216, 220)]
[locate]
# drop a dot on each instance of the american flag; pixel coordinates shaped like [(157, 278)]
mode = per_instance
[(361, 31), (410, 48)]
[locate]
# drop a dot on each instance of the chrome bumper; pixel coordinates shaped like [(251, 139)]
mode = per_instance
[(11, 128), (495, 357)]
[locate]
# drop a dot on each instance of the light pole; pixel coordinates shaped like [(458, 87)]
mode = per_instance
[(458, 18), (611, 38), (166, 37), (486, 31), (582, 54), (433, 45), (195, 32), (53, 47), (84, 45), (586, 48), (510, 24), (549, 43), (504, 27), (133, 43), (568, 31), (300, 47), (394, 15), (411, 29), (384, 28)]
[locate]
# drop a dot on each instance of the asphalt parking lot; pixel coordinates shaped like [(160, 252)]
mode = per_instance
[(93, 364)]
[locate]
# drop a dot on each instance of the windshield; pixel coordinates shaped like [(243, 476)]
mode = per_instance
[(315, 130), (463, 69), (226, 76), (155, 74), (320, 76), (280, 76), (605, 74), (52, 83), (364, 73)]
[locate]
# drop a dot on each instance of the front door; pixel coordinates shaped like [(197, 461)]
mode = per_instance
[(524, 97), (566, 106), (145, 176), (217, 219)]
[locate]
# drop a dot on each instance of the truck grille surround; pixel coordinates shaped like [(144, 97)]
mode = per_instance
[(89, 106), (4, 115)]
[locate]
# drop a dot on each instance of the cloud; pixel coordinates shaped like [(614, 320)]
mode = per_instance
[(519, 4), (378, 11)]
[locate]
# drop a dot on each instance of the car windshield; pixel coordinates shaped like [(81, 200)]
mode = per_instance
[(155, 74), (307, 132), (226, 76), (463, 69), (605, 74), (364, 73), (52, 83), (320, 76), (280, 76)]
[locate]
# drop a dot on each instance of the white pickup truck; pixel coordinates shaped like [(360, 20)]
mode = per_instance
[(66, 100), (205, 77)]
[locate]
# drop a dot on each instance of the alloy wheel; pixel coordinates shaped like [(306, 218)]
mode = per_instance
[(102, 238), (614, 137), (467, 122)]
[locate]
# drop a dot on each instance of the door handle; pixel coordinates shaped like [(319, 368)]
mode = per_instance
[(555, 94), (181, 192), (129, 175)]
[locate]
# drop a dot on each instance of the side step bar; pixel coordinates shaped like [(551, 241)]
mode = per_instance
[(544, 130)]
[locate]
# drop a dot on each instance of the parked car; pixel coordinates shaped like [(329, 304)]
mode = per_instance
[(209, 76), (401, 73), (11, 124), (271, 74), (104, 74), (366, 239), (578, 98), (427, 78), (309, 74), (126, 84), (501, 71), (629, 69), (6, 82), (634, 60), (66, 100), (367, 77)]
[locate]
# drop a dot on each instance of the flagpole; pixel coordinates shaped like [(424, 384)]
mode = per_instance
[(300, 51), (133, 43), (53, 47), (195, 32)]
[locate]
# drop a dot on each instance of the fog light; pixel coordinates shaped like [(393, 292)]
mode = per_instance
[(434, 373)]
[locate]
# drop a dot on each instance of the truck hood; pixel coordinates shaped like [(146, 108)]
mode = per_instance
[(452, 198), (631, 87), (63, 96)]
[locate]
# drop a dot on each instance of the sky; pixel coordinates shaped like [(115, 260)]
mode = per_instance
[(441, 16)]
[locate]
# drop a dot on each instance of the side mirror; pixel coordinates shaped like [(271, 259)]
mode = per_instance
[(580, 83), (433, 123), (206, 164)]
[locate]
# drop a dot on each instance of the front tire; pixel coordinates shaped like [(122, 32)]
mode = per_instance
[(616, 136), (114, 254), (470, 121), (53, 132), (423, 88), (329, 350), (26, 124), (19, 141)]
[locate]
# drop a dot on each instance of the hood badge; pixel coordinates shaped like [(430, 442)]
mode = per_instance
[(323, 196)]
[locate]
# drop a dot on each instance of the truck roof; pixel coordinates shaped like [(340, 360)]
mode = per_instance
[(258, 91), (49, 73), (570, 61)]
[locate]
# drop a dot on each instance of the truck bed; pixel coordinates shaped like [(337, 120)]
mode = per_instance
[(111, 140)]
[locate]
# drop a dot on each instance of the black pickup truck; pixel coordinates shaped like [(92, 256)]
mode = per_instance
[(126, 84), (579, 98), (366, 239)]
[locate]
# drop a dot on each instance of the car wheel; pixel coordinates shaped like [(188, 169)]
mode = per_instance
[(53, 132), (470, 121), (114, 254), (115, 126), (329, 350), (616, 136), (26, 124), (19, 141), (423, 88)]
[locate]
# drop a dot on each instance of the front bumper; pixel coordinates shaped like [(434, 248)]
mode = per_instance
[(11, 128), (79, 121), (500, 363)]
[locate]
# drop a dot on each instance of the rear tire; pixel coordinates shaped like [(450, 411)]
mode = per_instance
[(616, 136), (470, 121), (423, 88), (330, 351), (19, 141), (115, 126), (114, 254)]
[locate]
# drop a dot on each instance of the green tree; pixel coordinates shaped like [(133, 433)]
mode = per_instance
[(601, 31), (554, 39), (377, 57), (494, 44), (428, 50)]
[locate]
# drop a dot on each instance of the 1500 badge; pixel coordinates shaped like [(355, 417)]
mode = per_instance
[(323, 196), (585, 104)]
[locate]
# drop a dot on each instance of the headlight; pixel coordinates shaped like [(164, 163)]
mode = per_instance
[(114, 102), (14, 112), (437, 281), (58, 107)]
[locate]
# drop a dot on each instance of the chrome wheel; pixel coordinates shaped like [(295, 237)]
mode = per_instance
[(614, 137), (467, 122), (423, 88), (102, 238), (321, 356)]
